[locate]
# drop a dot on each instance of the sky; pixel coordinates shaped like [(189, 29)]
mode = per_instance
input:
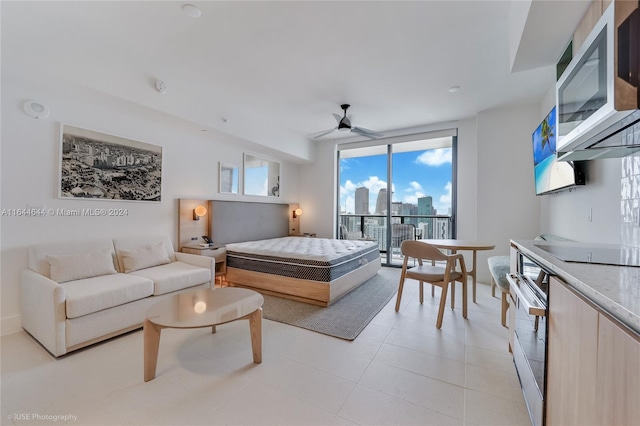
[(415, 174)]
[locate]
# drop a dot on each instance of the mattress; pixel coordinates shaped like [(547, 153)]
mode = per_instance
[(317, 259)]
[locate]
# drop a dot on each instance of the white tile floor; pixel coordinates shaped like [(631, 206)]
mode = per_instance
[(401, 370)]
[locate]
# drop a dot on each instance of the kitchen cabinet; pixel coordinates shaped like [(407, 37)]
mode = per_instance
[(571, 358), (618, 374), (589, 21), (593, 363)]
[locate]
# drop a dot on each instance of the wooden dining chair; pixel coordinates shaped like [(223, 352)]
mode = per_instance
[(427, 271)]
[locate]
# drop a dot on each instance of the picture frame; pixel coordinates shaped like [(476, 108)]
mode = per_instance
[(229, 178), (261, 176), (100, 166)]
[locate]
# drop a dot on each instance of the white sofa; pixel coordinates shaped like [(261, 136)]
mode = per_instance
[(78, 293)]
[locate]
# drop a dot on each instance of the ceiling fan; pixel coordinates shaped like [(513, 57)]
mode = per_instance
[(344, 126)]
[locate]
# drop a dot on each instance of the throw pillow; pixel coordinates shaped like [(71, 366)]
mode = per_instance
[(144, 257), (69, 267)]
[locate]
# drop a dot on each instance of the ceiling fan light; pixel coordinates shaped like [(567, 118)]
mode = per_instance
[(344, 129)]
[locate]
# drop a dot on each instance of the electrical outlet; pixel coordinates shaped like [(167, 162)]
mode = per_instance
[(194, 238)]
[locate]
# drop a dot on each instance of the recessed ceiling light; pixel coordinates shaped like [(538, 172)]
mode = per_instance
[(191, 11), (454, 89)]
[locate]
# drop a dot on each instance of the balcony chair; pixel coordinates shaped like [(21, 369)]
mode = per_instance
[(346, 235), (433, 274), (401, 232)]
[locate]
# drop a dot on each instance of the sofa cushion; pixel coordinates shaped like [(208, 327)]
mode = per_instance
[(174, 276), (69, 267), (134, 242), (91, 295), (499, 267), (38, 253), (144, 257)]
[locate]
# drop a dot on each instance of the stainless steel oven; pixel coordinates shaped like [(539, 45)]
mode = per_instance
[(528, 328)]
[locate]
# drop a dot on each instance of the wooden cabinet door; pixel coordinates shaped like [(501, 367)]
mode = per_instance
[(572, 358), (618, 374)]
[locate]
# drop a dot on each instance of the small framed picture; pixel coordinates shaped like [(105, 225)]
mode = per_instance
[(229, 175)]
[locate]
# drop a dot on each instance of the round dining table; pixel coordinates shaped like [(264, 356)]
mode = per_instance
[(454, 245)]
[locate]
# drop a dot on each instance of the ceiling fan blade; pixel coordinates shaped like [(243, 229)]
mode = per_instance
[(366, 132), (322, 133)]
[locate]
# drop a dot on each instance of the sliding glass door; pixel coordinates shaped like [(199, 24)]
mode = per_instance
[(397, 191)]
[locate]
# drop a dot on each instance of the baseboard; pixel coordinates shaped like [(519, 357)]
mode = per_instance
[(10, 325)]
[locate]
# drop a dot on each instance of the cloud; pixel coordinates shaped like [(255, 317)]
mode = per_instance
[(349, 205), (435, 157), (374, 184), (444, 202), (348, 187), (414, 186)]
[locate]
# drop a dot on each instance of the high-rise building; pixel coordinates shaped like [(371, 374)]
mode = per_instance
[(396, 208), (425, 206), (362, 200), (381, 202), (377, 233), (441, 228)]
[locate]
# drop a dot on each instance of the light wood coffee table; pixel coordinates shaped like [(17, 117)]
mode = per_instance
[(202, 308)]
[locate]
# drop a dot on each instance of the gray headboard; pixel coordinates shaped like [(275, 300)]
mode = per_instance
[(237, 221)]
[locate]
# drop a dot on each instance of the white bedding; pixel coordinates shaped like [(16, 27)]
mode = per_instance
[(314, 249)]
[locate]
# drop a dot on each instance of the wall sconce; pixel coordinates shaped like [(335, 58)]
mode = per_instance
[(297, 212), (199, 211)]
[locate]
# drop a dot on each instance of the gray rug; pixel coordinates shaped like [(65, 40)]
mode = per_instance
[(345, 318)]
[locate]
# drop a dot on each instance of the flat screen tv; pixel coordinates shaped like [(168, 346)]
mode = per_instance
[(552, 175)]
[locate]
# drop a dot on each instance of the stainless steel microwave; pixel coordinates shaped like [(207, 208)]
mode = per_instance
[(599, 88)]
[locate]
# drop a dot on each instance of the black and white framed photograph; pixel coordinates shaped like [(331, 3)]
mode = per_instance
[(96, 165)]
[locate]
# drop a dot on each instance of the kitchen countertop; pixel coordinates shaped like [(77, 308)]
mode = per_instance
[(615, 289)]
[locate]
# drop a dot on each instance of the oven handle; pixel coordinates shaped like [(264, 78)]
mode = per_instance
[(528, 300)]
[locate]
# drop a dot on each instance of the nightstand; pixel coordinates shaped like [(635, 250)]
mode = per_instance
[(216, 251)]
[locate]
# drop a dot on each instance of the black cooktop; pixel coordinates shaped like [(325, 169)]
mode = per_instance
[(605, 255)]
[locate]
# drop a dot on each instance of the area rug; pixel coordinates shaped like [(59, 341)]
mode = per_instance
[(345, 318)]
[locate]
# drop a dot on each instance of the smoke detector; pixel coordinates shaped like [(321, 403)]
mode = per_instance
[(36, 109)]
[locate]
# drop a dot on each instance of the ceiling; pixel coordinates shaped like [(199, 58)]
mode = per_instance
[(274, 72)]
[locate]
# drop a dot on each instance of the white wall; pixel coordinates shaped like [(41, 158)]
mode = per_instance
[(467, 182), (566, 213), (507, 205), (29, 173), (317, 192)]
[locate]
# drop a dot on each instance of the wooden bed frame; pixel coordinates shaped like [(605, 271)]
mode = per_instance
[(238, 221), (314, 292)]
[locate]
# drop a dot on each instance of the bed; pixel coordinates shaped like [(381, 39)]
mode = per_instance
[(311, 270), (261, 256)]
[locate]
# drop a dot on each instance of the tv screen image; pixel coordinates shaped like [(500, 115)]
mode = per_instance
[(550, 174)]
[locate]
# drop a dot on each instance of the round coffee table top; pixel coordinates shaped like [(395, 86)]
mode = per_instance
[(205, 307)]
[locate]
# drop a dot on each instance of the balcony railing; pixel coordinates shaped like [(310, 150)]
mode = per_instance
[(374, 227)]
